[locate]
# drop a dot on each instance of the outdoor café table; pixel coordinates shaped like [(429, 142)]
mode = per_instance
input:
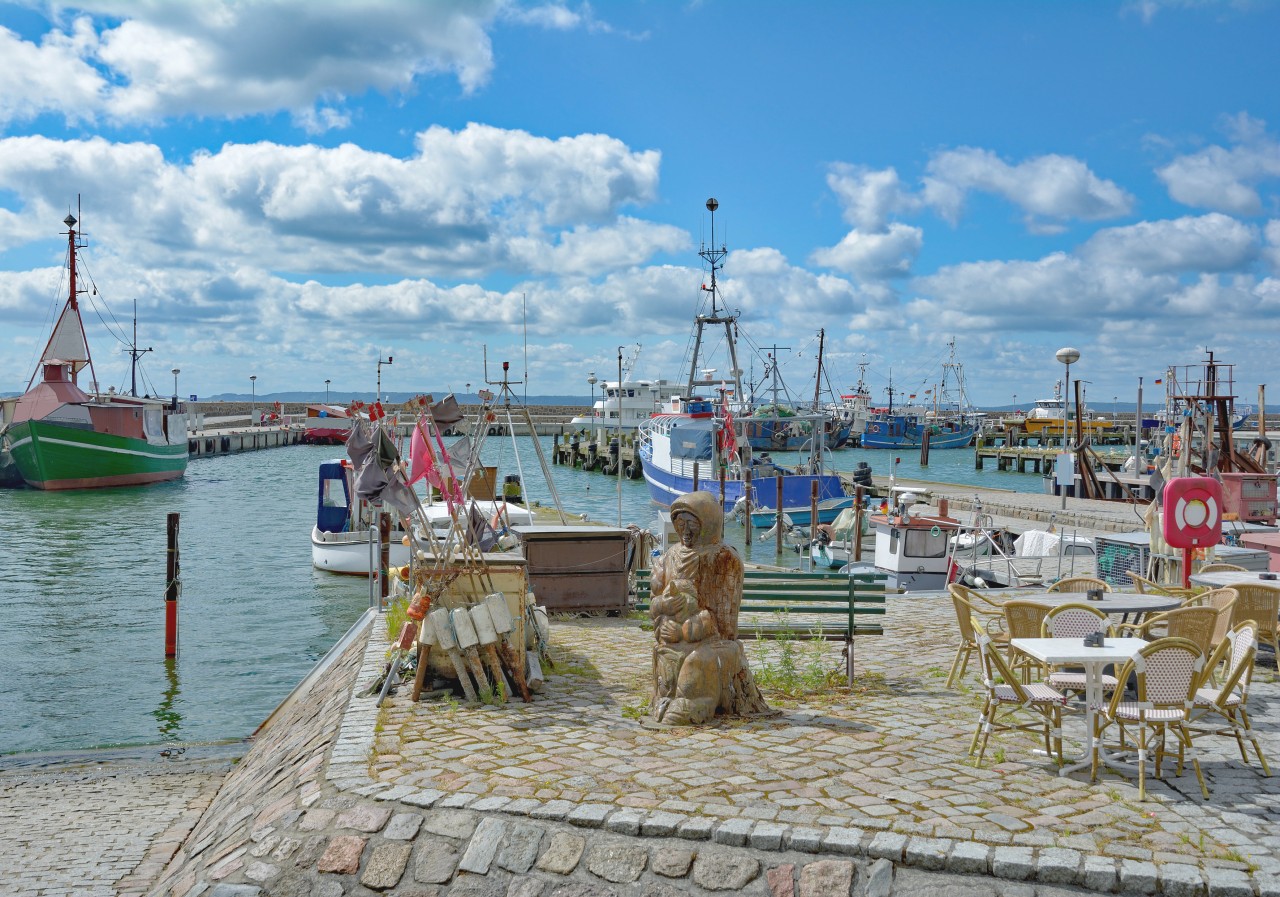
[(1059, 651), (1111, 603), (1228, 578)]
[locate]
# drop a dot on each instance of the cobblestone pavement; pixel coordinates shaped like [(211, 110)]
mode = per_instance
[(868, 791), (100, 822)]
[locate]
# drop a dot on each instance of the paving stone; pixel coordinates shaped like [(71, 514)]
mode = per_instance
[(625, 822), (460, 824), (483, 846), (519, 848), (671, 862), (724, 870), (1181, 880), (782, 880), (1100, 874), (403, 827), (579, 889), (699, 828), (808, 840), (342, 856), (1137, 877), (426, 798), (616, 861), (767, 836), (1228, 883), (969, 857), (661, 824), (526, 887), (1058, 866), (589, 815), (562, 853), (363, 818), (386, 866), (825, 878), (887, 845), (435, 860), (479, 886), (733, 832), (843, 840), (226, 890), (1015, 863), (928, 853), (879, 878)]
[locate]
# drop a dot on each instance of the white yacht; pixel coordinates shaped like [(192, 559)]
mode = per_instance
[(625, 407)]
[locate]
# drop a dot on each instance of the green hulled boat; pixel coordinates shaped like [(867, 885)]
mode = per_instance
[(61, 437)]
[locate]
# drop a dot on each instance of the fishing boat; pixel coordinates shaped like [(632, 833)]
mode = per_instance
[(851, 412), (694, 442), (61, 437), (327, 424), (944, 426), (1048, 417)]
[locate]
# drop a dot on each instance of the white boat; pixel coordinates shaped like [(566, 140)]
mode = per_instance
[(633, 403)]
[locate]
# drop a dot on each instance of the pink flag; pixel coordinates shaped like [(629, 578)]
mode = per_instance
[(421, 463)]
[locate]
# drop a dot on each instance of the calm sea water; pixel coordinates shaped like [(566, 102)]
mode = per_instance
[(82, 591)]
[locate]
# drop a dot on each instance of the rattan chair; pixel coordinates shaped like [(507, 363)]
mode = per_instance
[(1260, 603), (1196, 624), (1006, 697), (1022, 619), (1168, 673), (1223, 601), (981, 603), (1222, 710), (1075, 621), (966, 613), (1219, 567), (1079, 584), (1149, 587)]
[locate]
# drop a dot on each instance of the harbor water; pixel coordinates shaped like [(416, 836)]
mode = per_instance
[(82, 578)]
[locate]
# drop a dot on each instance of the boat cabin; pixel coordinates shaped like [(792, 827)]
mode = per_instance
[(333, 504), (913, 549)]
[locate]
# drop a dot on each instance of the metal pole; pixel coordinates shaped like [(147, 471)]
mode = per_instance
[(778, 525), (859, 499), (1138, 466), (171, 589), (746, 493), (618, 462)]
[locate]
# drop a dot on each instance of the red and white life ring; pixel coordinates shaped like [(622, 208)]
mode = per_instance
[(873, 428)]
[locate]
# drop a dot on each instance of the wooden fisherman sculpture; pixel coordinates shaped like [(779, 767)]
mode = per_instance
[(699, 666)]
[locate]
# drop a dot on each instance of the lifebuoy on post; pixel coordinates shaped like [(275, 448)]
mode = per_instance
[(873, 428), (1192, 512)]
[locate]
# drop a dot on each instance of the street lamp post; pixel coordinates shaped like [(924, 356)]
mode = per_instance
[(253, 396), (176, 372), (619, 430), (381, 362), (591, 378), (1067, 356), (326, 392)]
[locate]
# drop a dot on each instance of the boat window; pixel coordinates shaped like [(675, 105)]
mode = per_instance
[(333, 495), (921, 543)]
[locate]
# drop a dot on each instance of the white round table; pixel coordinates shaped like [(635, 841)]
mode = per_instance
[(1112, 602)]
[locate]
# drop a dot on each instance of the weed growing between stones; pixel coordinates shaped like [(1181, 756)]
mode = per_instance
[(396, 615)]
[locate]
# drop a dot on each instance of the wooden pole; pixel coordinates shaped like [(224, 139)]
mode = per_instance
[(171, 589), (695, 476), (746, 491), (924, 446), (384, 556), (859, 499), (723, 474), (778, 525), (813, 519)]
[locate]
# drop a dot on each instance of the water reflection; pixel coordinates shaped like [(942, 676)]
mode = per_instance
[(167, 715)]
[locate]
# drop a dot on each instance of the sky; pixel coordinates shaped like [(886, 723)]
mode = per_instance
[(294, 190)]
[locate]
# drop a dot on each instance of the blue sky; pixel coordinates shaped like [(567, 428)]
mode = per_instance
[(295, 189)]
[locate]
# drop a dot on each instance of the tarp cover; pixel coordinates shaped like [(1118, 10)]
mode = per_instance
[(694, 440)]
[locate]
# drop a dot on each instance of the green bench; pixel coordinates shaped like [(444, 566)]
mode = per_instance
[(803, 604)]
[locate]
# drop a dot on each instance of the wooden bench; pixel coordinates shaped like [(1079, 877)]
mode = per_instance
[(800, 604)]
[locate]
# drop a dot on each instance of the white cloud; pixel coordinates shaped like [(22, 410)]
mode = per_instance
[(870, 197), (1271, 252), (1209, 243), (135, 61), (1226, 179), (874, 256), (1052, 187)]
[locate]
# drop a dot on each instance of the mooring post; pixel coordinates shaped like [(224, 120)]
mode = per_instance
[(859, 499), (778, 525), (746, 493), (813, 519), (172, 571), (384, 558)]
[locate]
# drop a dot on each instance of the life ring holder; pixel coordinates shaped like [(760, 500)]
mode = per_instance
[(936, 531), (873, 428)]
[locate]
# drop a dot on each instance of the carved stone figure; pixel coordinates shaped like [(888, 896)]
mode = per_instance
[(699, 666)]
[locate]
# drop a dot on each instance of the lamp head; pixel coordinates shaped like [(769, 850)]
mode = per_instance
[(1068, 355)]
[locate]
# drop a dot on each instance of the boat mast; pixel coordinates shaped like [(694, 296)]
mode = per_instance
[(817, 383), (73, 302), (135, 353), (715, 258)]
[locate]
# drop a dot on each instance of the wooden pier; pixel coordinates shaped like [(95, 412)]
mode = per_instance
[(603, 453), (1017, 450)]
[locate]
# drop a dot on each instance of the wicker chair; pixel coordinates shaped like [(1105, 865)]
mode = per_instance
[(1260, 603), (1222, 711), (1195, 624), (966, 613), (1223, 601), (981, 602), (1006, 697), (1168, 673), (1075, 621), (1149, 587), (1022, 619), (1079, 584), (1219, 567)]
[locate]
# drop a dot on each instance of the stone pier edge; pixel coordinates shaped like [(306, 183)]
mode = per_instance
[(347, 770)]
